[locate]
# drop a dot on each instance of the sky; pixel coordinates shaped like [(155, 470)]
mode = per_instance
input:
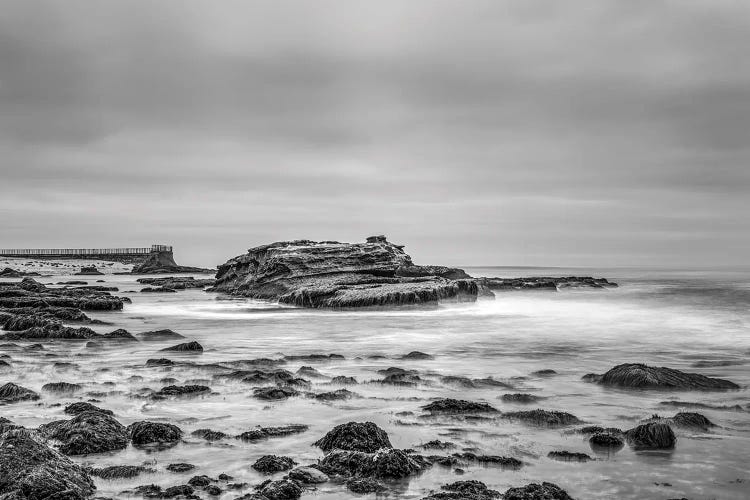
[(550, 133)]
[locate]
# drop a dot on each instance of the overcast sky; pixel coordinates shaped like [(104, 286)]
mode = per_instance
[(474, 132)]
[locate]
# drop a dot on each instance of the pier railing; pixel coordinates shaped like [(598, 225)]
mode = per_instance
[(83, 252)]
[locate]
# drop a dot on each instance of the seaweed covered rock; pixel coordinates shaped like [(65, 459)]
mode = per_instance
[(464, 490), (308, 475), (364, 485), (149, 433), (651, 436), (543, 417), (61, 387), (274, 393), (283, 489), (119, 471), (30, 470), (522, 398), (458, 406), (182, 390), (385, 463), (640, 376), (270, 432), (535, 491), (87, 432), (606, 440), (270, 464), (12, 393), (568, 456), (185, 347), (333, 274), (692, 420), (355, 436)]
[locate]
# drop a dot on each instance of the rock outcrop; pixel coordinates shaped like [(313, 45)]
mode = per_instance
[(30, 470), (163, 262), (355, 436), (640, 376), (332, 274), (87, 432), (545, 283)]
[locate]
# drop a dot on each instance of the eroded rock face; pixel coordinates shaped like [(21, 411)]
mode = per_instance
[(355, 436), (31, 470), (333, 274), (163, 262), (640, 376)]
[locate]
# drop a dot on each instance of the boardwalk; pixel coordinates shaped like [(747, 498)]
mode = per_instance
[(83, 253)]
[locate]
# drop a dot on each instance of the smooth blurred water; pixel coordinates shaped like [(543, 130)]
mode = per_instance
[(665, 318)]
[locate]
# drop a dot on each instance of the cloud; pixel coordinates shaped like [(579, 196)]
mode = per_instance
[(494, 132)]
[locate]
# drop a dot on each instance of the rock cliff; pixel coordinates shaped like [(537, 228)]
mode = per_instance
[(332, 274)]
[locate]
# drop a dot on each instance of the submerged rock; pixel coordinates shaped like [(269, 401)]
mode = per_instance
[(535, 491), (385, 463), (417, 355), (209, 434), (458, 406), (307, 475), (12, 393), (606, 440), (177, 282), (30, 470), (337, 395), (274, 393), (158, 335), (61, 387), (185, 347), (692, 419), (87, 432), (119, 471), (355, 436), (640, 376), (496, 460), (364, 485), (520, 398), (568, 456), (332, 274), (270, 464), (147, 433), (182, 390), (342, 380), (269, 432), (652, 435), (180, 467)]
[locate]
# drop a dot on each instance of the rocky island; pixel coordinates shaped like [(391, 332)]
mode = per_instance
[(332, 274)]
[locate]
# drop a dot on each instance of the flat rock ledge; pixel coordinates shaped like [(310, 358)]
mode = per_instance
[(340, 275), (640, 376)]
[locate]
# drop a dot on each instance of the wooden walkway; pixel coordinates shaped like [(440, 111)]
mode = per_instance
[(82, 252)]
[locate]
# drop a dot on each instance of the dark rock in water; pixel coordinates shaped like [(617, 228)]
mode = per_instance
[(271, 464), (157, 335), (284, 489), (568, 456), (200, 481), (464, 490), (183, 390), (400, 379), (307, 475), (12, 273), (639, 376), (417, 355), (180, 467), (11, 393), (87, 432), (119, 471), (159, 289), (385, 463), (314, 357), (652, 435), (209, 435), (535, 491), (691, 419), (497, 460), (213, 490), (146, 433), (159, 362), (61, 387), (269, 432), (89, 271), (342, 380), (274, 393), (606, 440), (337, 395), (458, 406), (120, 334), (544, 373), (162, 262), (309, 371), (183, 490), (363, 485), (31, 470), (355, 436), (331, 274), (691, 404), (543, 417), (544, 283), (177, 282), (436, 444), (185, 347), (80, 407), (520, 398), (4, 364), (147, 491)]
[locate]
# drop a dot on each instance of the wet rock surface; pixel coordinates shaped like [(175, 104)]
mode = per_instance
[(544, 417), (11, 393), (153, 433), (458, 406), (640, 376), (536, 491), (331, 274), (270, 464), (355, 436), (651, 436), (31, 470), (87, 432), (545, 283), (177, 282)]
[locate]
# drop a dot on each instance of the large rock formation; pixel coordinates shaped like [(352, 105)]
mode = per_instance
[(332, 274), (163, 262), (640, 376)]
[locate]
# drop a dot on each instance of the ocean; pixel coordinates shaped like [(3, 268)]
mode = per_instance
[(689, 320)]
